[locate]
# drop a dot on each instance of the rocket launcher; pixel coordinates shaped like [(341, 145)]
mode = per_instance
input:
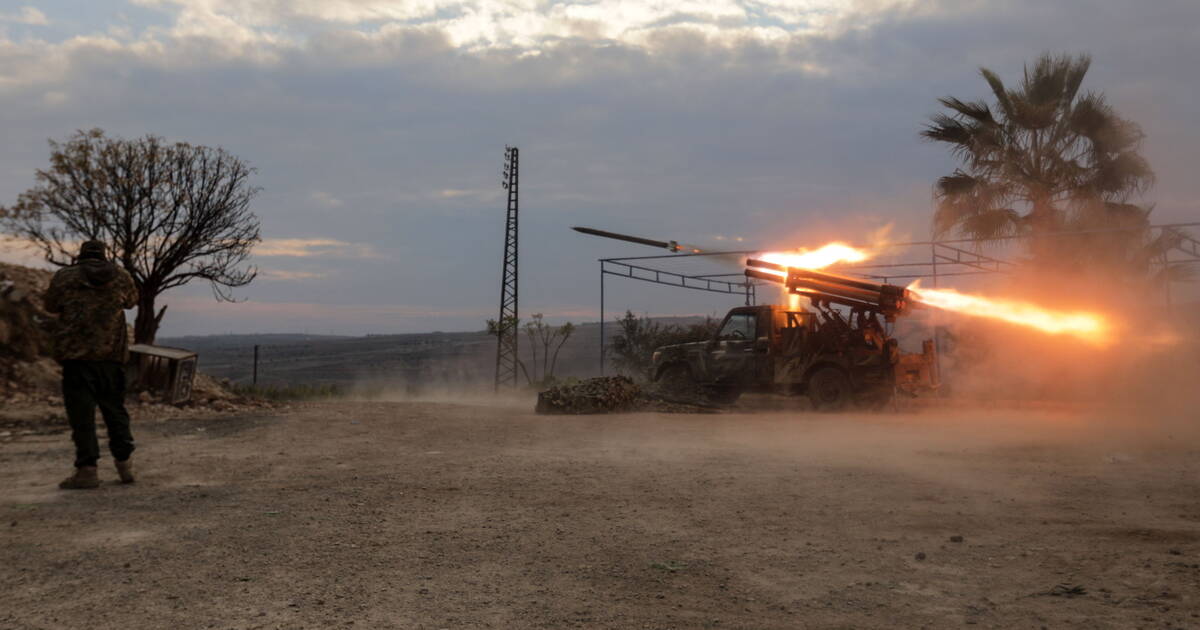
[(823, 288)]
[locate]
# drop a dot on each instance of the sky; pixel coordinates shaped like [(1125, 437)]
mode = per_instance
[(377, 129)]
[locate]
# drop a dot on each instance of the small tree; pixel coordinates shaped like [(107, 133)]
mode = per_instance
[(549, 338), (169, 213)]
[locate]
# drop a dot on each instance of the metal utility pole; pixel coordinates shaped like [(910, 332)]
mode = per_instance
[(506, 326)]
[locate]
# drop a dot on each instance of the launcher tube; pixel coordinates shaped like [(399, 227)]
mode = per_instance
[(765, 275), (863, 295), (817, 296), (762, 264), (836, 278)]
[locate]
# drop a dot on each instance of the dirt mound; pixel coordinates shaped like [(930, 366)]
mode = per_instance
[(605, 394), (612, 394), (23, 321)]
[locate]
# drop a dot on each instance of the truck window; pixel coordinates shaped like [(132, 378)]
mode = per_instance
[(739, 326)]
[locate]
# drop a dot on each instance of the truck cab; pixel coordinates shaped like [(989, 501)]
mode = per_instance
[(831, 358)]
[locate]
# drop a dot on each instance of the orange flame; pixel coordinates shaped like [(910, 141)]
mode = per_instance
[(825, 256), (1090, 327)]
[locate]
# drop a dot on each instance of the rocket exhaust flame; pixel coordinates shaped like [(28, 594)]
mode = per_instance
[(819, 258), (798, 272), (1090, 327), (825, 288)]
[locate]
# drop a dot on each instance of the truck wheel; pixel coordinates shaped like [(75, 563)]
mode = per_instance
[(677, 379), (829, 389)]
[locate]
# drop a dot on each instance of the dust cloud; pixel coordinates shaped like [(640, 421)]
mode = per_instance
[(1004, 384), (1140, 386)]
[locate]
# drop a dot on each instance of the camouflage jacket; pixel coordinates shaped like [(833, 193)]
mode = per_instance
[(90, 298)]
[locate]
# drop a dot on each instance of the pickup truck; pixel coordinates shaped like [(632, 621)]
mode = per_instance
[(833, 358)]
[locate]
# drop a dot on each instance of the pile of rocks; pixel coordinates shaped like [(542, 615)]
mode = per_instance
[(612, 394), (605, 394), (22, 319)]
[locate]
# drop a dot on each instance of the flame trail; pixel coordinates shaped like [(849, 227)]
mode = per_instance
[(1090, 327), (824, 256)]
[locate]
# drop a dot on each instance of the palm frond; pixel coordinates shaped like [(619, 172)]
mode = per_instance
[(1121, 175), (1038, 84), (943, 128), (992, 223), (1089, 115), (1116, 134), (1074, 77), (1030, 114), (975, 110), (1054, 79), (998, 90), (957, 183)]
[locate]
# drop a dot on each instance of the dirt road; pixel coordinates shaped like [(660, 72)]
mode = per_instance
[(424, 515)]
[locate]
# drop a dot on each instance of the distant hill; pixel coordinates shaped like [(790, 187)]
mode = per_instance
[(207, 342), (409, 362)]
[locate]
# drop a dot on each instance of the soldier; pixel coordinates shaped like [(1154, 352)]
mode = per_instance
[(92, 346)]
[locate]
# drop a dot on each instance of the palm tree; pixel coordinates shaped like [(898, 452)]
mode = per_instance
[(1042, 158)]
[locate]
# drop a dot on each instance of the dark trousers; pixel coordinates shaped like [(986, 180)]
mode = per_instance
[(87, 385)]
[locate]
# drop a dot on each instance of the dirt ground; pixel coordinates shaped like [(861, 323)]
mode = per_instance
[(440, 515)]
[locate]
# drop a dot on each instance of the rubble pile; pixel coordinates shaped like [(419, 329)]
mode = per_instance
[(605, 394), (30, 381), (612, 394), (22, 319)]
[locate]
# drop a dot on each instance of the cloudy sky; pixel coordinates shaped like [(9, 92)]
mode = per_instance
[(378, 126)]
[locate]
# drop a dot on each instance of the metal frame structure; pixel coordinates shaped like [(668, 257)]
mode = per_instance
[(507, 361), (947, 258)]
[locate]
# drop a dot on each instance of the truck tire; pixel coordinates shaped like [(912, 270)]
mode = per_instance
[(829, 389), (676, 377)]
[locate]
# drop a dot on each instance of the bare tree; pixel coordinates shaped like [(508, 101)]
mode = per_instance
[(550, 338), (169, 213)]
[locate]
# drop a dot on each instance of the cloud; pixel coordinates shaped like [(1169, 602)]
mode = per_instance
[(776, 127), (480, 24), (26, 15), (341, 33), (200, 315), (313, 248), (279, 274), (21, 252), (560, 42)]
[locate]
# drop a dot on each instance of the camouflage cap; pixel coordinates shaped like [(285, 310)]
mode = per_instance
[(93, 250)]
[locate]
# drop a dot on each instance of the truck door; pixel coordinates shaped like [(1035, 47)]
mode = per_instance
[(741, 351), (794, 330)]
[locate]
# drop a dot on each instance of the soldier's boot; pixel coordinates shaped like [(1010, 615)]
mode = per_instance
[(125, 470), (85, 477)]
